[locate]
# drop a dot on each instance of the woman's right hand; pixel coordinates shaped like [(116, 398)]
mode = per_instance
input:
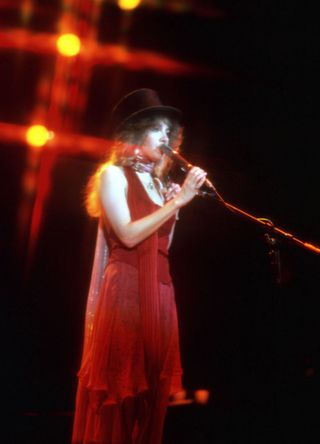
[(191, 186)]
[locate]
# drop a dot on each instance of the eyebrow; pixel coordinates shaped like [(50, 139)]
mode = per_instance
[(167, 124)]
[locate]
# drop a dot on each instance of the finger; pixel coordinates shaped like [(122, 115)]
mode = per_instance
[(201, 176), (196, 172), (193, 171), (200, 180), (193, 177), (176, 189)]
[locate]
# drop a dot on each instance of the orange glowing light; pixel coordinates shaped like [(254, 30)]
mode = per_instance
[(128, 4), (38, 135), (68, 45), (26, 11), (201, 396)]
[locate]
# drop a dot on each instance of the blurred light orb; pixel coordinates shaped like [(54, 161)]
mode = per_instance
[(38, 135), (128, 4), (68, 45), (201, 396)]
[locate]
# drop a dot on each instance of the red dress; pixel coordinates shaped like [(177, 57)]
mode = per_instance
[(132, 363)]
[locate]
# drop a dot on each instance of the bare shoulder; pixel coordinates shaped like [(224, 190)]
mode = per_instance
[(113, 174)]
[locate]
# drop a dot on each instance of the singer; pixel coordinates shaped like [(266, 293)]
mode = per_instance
[(131, 361)]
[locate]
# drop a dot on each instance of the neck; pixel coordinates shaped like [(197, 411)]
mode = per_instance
[(143, 166)]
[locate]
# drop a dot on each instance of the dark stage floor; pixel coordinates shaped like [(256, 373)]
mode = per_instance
[(289, 420)]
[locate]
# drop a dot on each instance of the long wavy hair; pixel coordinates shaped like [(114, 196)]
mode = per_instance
[(126, 141)]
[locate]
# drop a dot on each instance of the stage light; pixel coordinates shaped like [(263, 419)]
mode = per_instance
[(26, 11), (128, 4), (38, 135), (201, 396), (69, 45)]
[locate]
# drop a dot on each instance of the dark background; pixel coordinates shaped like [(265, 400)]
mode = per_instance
[(252, 123)]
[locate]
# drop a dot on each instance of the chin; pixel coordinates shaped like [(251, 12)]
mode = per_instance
[(154, 159), (157, 155)]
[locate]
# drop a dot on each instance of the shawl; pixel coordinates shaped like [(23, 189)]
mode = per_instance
[(140, 205)]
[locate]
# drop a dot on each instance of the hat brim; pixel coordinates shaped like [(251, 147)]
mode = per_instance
[(168, 111)]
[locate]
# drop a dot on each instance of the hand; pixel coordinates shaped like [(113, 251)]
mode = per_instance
[(191, 185), (171, 192)]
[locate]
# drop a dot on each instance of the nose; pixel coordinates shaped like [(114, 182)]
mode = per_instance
[(164, 138)]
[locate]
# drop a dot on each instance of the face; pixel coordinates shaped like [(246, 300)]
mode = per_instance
[(156, 136)]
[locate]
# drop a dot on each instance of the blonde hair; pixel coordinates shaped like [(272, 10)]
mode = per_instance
[(123, 152), (92, 199)]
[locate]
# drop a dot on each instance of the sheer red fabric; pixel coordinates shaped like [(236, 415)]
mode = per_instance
[(131, 359)]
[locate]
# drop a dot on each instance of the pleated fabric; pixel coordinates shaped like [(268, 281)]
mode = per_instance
[(131, 359)]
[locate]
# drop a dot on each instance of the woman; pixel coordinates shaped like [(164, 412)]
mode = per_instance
[(131, 361)]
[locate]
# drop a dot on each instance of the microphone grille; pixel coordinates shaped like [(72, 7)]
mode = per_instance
[(166, 149)]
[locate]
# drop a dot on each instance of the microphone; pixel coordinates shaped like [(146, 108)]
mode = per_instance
[(207, 187)]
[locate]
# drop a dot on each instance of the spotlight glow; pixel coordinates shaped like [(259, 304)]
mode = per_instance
[(201, 396), (128, 4), (38, 135), (68, 45)]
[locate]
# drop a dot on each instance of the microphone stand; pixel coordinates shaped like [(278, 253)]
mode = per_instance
[(270, 227), (208, 189), (274, 253), (271, 231), (272, 234)]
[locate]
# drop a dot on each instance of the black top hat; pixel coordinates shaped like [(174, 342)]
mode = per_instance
[(139, 103)]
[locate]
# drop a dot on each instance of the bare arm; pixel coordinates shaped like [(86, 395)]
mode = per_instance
[(114, 202)]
